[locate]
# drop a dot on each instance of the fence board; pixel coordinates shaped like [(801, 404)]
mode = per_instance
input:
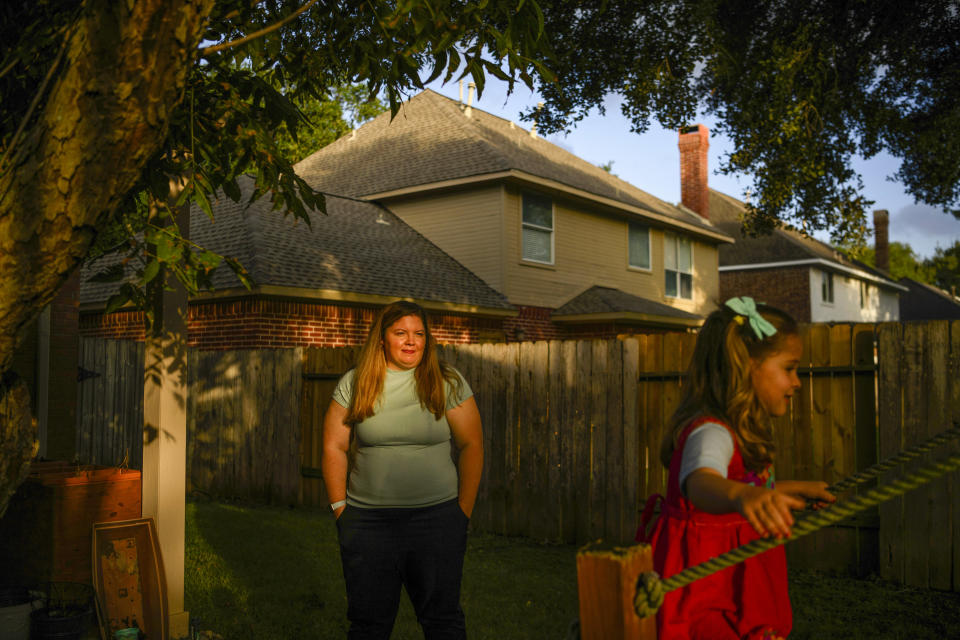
[(654, 422), (556, 483), (483, 513), (916, 509), (840, 542), (542, 437), (803, 551), (613, 427), (581, 394), (938, 535), (865, 439), (889, 410), (630, 516), (598, 443)]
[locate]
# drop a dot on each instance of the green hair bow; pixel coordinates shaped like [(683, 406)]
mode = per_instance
[(745, 306)]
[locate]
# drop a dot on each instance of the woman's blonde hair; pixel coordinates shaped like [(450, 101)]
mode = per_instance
[(371, 369), (717, 383)]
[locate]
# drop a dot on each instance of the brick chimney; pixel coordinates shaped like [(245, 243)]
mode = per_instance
[(881, 224), (694, 142)]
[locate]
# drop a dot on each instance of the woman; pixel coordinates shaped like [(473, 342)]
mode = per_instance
[(402, 514)]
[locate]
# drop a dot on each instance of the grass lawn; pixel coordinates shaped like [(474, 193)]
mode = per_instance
[(269, 573)]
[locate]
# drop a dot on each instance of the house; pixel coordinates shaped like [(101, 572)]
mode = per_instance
[(500, 234), (577, 250), (924, 301), (805, 277), (314, 285)]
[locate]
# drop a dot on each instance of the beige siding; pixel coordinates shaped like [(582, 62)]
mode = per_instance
[(591, 249), (466, 224)]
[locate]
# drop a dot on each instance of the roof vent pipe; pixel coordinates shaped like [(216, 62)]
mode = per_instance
[(461, 93), (533, 129), (470, 87)]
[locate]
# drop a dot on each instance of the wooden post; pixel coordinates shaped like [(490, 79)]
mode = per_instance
[(607, 581), (165, 431)]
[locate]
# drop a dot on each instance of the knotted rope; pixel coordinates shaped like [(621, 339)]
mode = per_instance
[(650, 589)]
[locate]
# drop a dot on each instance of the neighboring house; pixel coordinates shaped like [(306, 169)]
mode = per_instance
[(499, 233), (924, 301), (805, 277), (578, 251)]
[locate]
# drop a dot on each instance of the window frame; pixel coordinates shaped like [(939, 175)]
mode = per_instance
[(524, 225), (630, 265), (827, 287), (675, 238)]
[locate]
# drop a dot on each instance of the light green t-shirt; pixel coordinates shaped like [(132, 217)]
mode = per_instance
[(403, 453)]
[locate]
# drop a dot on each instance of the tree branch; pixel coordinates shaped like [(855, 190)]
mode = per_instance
[(256, 34)]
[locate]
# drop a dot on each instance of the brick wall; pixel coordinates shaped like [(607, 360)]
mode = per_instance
[(276, 324), (279, 324), (532, 323), (787, 288)]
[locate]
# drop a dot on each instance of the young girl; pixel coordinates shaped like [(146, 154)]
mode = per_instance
[(721, 491)]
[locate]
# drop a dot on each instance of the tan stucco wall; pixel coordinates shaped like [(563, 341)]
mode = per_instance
[(468, 225), (481, 228), (591, 249)]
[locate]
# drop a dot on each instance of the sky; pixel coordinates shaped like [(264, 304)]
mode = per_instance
[(651, 162)]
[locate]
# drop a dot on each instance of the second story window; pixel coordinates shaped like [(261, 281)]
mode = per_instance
[(639, 242), (537, 228), (826, 287), (677, 266), (864, 295)]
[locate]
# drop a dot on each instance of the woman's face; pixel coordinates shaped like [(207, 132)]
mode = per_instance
[(775, 378), (403, 343)]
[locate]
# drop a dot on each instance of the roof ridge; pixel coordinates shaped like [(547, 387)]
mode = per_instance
[(613, 180), (448, 103)]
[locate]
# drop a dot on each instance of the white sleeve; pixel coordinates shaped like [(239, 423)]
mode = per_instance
[(708, 446)]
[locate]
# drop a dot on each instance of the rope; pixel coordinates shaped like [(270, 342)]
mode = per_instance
[(907, 454), (650, 589)]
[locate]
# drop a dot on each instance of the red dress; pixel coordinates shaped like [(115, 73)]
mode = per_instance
[(747, 600)]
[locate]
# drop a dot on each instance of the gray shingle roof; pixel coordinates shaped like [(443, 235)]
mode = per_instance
[(782, 245), (358, 247), (607, 300), (431, 140)]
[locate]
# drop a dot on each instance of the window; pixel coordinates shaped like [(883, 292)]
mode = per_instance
[(826, 287), (537, 228), (864, 295), (677, 266), (639, 241)]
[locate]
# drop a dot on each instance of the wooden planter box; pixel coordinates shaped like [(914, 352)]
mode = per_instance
[(47, 532)]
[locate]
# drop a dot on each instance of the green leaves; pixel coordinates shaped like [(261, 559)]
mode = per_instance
[(255, 108), (799, 88)]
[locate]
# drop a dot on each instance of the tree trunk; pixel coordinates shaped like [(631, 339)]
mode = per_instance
[(106, 113), (18, 442)]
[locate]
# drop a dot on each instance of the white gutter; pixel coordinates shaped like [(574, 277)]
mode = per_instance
[(816, 262)]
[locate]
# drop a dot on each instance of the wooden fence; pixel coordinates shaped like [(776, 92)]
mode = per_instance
[(572, 432)]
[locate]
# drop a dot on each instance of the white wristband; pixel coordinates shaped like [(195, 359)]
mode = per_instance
[(336, 505)]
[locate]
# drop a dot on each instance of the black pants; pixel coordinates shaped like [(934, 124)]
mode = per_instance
[(421, 549)]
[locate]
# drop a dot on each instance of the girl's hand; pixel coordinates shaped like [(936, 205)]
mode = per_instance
[(814, 492), (768, 510)]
